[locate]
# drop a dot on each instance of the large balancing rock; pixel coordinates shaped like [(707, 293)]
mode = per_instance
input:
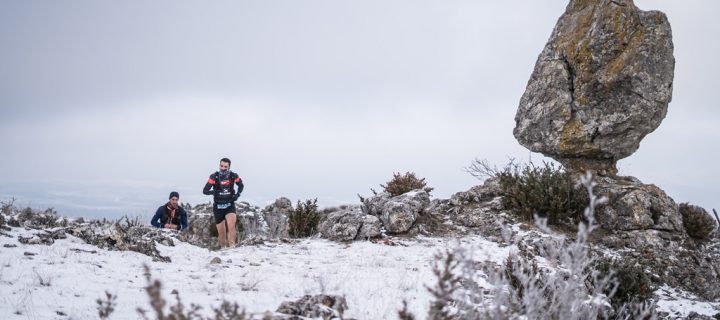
[(600, 85)]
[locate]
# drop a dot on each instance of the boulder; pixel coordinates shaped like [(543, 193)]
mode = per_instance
[(400, 212), (276, 218), (349, 224), (375, 204), (371, 228), (600, 85)]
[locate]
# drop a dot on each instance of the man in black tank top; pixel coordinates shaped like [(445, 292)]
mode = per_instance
[(221, 185)]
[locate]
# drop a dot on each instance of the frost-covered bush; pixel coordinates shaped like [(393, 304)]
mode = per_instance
[(303, 220), (560, 283), (698, 222), (407, 182)]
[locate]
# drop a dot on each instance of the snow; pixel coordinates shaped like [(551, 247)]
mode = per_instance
[(679, 303), (64, 280), (67, 278)]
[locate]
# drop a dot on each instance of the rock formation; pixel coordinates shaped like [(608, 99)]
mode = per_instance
[(399, 213), (349, 224), (600, 85)]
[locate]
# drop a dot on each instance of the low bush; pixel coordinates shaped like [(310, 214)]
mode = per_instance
[(407, 182), (546, 191), (633, 284), (303, 220), (699, 224)]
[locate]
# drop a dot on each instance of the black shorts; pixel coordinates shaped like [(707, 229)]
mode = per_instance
[(220, 211)]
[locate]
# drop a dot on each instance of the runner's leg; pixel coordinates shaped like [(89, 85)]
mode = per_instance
[(231, 219), (221, 234)]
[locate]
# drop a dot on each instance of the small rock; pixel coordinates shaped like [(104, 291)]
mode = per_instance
[(174, 291), (29, 253), (216, 260), (10, 245), (319, 306)]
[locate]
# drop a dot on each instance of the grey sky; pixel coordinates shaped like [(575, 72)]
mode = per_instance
[(106, 106)]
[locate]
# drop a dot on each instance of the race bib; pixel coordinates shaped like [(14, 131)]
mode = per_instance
[(223, 205)]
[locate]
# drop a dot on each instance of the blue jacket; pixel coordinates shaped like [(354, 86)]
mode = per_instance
[(162, 217)]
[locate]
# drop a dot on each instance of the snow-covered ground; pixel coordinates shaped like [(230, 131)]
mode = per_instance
[(64, 280)]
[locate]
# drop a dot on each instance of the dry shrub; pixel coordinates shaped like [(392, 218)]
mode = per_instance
[(107, 306), (400, 184), (178, 311)]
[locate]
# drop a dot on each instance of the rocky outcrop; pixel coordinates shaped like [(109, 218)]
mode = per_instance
[(139, 238), (600, 85), (253, 225), (633, 205), (46, 237), (276, 217), (122, 235), (646, 226), (480, 209), (349, 224), (670, 258)]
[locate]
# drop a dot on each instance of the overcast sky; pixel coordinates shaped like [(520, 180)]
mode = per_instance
[(107, 106)]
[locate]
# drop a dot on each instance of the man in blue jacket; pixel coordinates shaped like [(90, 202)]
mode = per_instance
[(170, 215), (221, 185)]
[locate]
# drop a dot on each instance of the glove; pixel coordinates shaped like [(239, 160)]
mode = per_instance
[(236, 197)]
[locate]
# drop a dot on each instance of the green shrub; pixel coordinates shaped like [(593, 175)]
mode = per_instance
[(400, 184), (548, 191), (303, 220), (699, 224), (633, 284)]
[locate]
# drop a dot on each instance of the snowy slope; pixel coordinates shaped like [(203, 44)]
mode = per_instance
[(64, 280)]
